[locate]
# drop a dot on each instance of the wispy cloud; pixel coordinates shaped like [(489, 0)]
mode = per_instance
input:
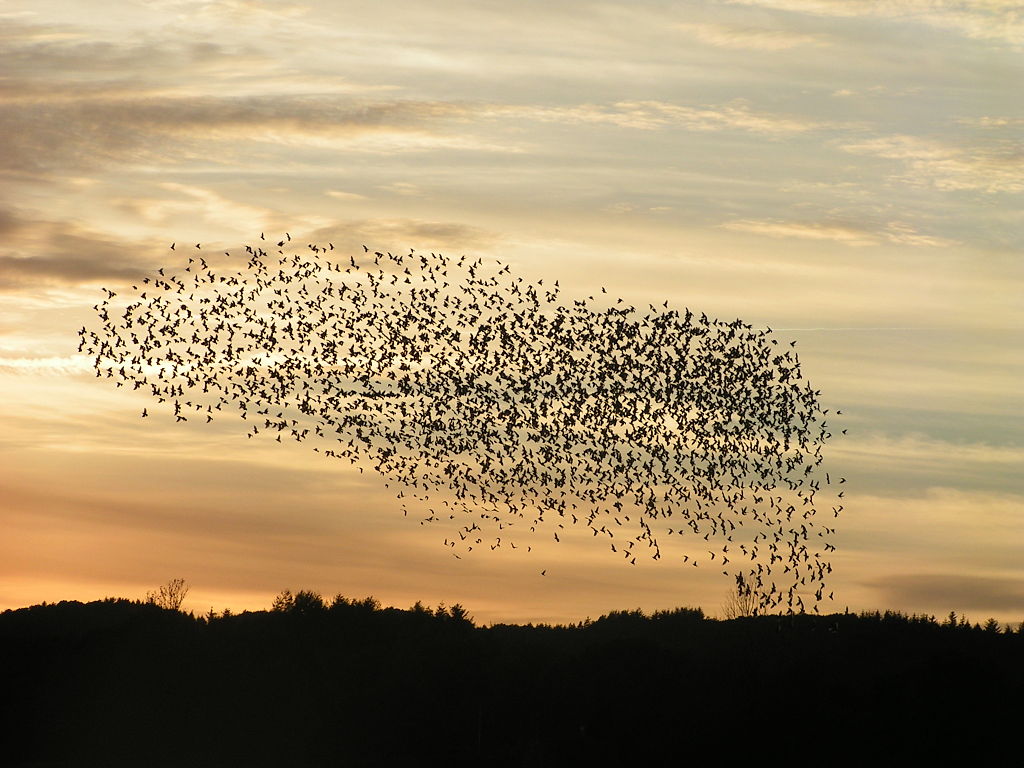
[(844, 234), (654, 115), (232, 11), (996, 167), (924, 451), (95, 132), (905, 234), (840, 232), (992, 121), (50, 366), (40, 252), (400, 234), (200, 203), (975, 530), (952, 591), (404, 188), (980, 19), (342, 195), (750, 38)]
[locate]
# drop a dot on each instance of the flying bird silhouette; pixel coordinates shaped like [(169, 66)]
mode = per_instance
[(496, 406)]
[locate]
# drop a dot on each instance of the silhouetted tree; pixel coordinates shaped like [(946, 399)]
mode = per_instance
[(284, 601), (307, 601), (170, 596), (741, 602), (459, 615)]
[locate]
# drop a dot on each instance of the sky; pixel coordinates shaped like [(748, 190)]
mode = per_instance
[(848, 173)]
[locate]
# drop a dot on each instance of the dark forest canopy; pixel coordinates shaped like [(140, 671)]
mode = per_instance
[(349, 682)]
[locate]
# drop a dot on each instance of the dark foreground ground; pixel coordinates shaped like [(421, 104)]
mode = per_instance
[(121, 683)]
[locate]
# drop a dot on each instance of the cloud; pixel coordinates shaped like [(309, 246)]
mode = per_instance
[(234, 11), (977, 527), (41, 252), (998, 20), (209, 205), (952, 591), (654, 115), (750, 38), (920, 452), (992, 122), (844, 234), (92, 133), (996, 167), (56, 62), (46, 366), (62, 252), (398, 234), (899, 232), (342, 195), (851, 8), (74, 104), (10, 223), (840, 232), (619, 208), (404, 188)]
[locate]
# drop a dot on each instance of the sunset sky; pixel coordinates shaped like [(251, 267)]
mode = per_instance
[(849, 173)]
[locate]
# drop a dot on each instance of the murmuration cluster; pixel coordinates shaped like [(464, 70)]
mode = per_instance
[(496, 407)]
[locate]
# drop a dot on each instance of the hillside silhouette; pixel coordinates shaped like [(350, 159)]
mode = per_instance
[(120, 682)]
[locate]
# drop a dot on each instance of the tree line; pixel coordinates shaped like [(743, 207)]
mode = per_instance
[(350, 682)]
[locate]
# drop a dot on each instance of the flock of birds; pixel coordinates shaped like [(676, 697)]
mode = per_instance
[(496, 407)]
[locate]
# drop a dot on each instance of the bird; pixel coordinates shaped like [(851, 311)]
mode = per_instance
[(454, 379)]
